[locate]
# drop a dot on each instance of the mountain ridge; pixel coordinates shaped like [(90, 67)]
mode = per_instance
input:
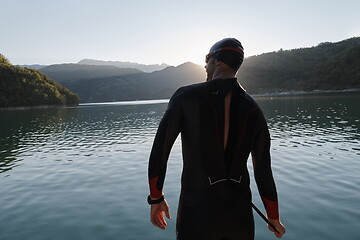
[(138, 86), (74, 71), (327, 66), (126, 64), (294, 70)]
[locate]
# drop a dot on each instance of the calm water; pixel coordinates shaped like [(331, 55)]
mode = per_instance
[(81, 173)]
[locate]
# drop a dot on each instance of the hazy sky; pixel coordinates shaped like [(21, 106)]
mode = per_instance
[(165, 31)]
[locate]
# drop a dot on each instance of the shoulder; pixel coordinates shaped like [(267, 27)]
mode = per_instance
[(253, 107), (251, 101), (193, 87), (187, 91)]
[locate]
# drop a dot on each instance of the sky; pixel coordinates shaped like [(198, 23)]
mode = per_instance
[(166, 31)]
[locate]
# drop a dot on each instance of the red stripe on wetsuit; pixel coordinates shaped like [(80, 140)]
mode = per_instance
[(272, 209), (154, 191)]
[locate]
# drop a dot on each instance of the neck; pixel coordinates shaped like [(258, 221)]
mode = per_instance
[(223, 76), (223, 73)]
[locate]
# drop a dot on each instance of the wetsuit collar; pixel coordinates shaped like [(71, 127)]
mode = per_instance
[(222, 85), (223, 79)]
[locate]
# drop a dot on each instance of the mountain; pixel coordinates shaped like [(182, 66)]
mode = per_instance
[(34, 66), (124, 84), (29, 87), (162, 84), (328, 66), (142, 67), (77, 72)]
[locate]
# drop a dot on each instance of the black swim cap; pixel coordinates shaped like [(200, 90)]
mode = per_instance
[(228, 51)]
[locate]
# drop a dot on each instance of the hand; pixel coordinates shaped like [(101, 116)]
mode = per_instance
[(157, 214), (278, 225)]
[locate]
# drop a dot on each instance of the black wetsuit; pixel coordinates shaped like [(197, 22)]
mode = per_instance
[(215, 199)]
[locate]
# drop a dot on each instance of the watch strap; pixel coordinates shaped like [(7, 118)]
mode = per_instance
[(150, 201)]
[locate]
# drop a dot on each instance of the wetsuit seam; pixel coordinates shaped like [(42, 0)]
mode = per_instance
[(242, 135), (215, 114)]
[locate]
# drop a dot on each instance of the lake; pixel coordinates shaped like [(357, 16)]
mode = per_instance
[(81, 172)]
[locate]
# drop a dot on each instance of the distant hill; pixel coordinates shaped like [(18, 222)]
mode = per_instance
[(127, 85), (77, 72), (142, 67), (328, 66), (34, 66), (28, 87)]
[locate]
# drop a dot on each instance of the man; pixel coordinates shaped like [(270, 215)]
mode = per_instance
[(220, 126)]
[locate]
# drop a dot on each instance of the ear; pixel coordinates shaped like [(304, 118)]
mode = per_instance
[(218, 63), (213, 61)]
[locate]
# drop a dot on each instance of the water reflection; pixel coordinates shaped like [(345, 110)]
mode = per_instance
[(22, 130), (293, 121), (76, 131), (314, 120)]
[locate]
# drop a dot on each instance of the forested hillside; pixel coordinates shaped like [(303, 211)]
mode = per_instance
[(328, 66), (340, 72), (28, 87)]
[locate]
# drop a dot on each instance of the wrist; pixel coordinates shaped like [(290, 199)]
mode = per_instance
[(151, 201), (274, 220)]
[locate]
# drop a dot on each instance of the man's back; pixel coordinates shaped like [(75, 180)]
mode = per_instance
[(211, 166), (220, 126)]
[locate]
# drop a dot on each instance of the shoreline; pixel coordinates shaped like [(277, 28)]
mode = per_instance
[(37, 107), (156, 101), (302, 93)]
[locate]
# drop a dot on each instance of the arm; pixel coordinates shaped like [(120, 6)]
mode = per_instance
[(264, 178), (166, 135)]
